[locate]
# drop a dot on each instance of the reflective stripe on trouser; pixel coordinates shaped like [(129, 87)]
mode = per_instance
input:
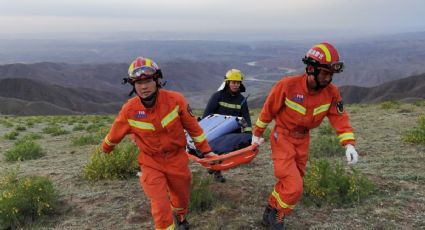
[(166, 189), (289, 159)]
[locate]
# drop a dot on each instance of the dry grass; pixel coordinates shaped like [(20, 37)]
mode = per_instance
[(394, 166)]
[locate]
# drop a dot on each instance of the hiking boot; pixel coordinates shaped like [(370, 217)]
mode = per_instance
[(272, 219), (219, 177), (266, 214), (181, 224)]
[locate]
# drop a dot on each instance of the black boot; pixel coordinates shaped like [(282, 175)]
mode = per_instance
[(266, 214), (272, 219), (181, 224), (219, 177)]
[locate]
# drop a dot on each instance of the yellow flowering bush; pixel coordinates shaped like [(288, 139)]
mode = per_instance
[(119, 164), (392, 104), (417, 134), (24, 149), (334, 185), (325, 146), (24, 199), (86, 139)]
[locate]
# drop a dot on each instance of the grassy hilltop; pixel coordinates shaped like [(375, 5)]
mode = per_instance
[(65, 146)]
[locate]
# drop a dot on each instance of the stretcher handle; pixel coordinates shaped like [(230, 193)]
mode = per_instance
[(229, 155)]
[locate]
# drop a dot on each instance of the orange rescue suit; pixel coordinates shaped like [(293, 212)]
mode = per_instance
[(159, 135), (296, 111)]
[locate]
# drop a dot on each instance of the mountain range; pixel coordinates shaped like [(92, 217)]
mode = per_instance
[(21, 96), (85, 76)]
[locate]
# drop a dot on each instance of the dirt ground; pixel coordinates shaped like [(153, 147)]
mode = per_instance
[(397, 168)]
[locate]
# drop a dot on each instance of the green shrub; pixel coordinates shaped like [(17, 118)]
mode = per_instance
[(54, 130), (326, 129), (20, 128), (29, 124), (419, 103), (25, 199), (78, 127), (201, 196), (334, 185), (102, 132), (32, 136), (93, 128), (390, 104), (5, 123), (11, 135), (24, 149), (86, 140), (119, 164), (325, 146), (417, 134)]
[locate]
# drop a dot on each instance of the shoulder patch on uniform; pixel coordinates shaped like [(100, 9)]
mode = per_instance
[(340, 107), (189, 110)]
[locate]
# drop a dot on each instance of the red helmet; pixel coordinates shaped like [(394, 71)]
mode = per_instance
[(324, 55), (142, 68)]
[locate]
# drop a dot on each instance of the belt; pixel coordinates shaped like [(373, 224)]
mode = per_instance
[(298, 132)]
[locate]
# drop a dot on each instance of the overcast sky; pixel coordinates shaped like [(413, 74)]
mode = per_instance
[(211, 16)]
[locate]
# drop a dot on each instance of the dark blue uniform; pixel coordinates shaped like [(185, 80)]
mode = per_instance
[(224, 103)]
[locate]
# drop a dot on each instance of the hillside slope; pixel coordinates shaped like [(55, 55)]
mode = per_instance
[(395, 167), (411, 88), (57, 98)]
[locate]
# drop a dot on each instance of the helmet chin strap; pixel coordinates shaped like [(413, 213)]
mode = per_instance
[(316, 73), (149, 102)]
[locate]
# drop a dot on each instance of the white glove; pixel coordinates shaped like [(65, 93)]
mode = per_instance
[(351, 154), (257, 140), (210, 154)]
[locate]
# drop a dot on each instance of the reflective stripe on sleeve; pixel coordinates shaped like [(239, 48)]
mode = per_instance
[(247, 129), (199, 138), (261, 124), (108, 142), (345, 136)]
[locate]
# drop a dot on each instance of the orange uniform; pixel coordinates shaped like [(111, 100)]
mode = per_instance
[(159, 135), (296, 111)]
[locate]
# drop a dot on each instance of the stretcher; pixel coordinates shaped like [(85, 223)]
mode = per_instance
[(214, 126), (229, 160)]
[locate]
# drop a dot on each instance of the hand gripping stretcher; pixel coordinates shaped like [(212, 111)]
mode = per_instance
[(215, 126)]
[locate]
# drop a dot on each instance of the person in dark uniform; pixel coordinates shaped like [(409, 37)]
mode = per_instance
[(228, 100)]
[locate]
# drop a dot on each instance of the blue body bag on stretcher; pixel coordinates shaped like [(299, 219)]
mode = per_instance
[(219, 131), (216, 125)]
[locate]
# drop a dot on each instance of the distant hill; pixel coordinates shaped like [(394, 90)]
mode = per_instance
[(181, 75), (26, 96), (21, 107), (409, 88), (406, 89)]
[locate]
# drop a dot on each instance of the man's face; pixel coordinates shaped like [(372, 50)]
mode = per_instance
[(145, 87), (234, 86), (324, 77)]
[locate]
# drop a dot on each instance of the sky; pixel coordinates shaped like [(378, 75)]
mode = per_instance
[(214, 17)]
